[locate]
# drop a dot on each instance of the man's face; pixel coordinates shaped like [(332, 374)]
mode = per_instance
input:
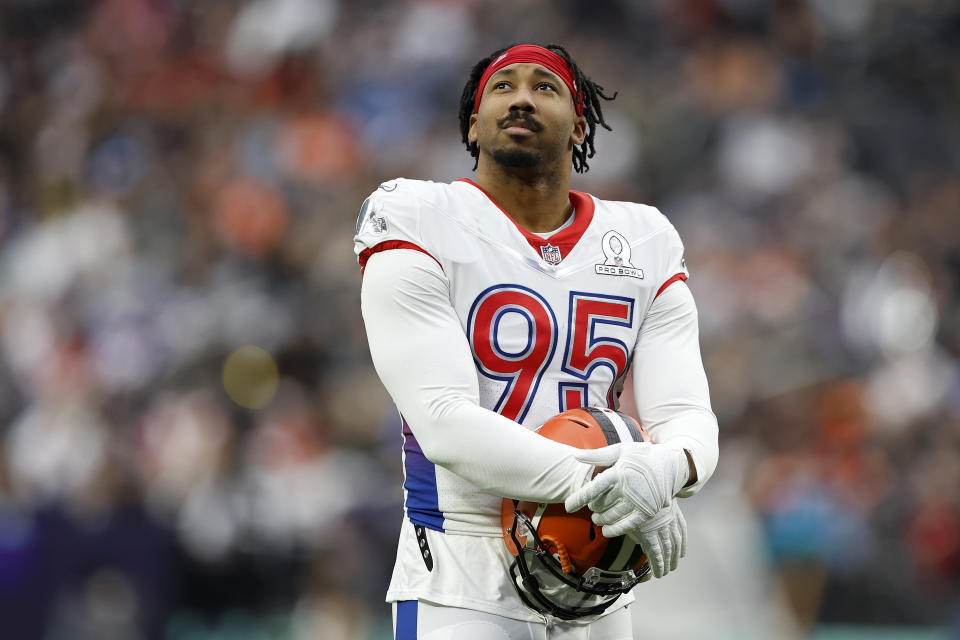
[(526, 118)]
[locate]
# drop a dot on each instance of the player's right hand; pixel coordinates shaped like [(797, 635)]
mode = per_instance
[(635, 497)]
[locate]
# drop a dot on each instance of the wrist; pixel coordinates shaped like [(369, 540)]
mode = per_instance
[(683, 472), (691, 470), (686, 475)]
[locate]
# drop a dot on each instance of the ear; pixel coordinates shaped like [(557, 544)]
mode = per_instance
[(472, 131), (579, 133)]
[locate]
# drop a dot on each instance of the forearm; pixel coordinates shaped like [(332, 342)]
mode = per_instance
[(495, 454), (423, 358), (670, 385)]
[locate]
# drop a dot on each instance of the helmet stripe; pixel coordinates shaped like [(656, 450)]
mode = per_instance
[(616, 419), (612, 435), (609, 431), (635, 434)]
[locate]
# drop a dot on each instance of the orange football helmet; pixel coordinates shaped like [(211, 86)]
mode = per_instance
[(563, 565)]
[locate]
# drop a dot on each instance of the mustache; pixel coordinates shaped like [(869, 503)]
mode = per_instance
[(519, 116)]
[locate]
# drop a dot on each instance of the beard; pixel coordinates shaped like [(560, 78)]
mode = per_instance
[(517, 158)]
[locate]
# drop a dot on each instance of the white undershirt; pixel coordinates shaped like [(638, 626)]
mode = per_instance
[(423, 357), (567, 223)]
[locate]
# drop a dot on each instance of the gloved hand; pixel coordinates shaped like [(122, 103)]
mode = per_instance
[(635, 497)]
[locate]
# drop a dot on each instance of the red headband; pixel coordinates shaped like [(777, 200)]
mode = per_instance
[(537, 55)]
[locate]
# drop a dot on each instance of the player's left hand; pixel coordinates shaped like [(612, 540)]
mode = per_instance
[(635, 497)]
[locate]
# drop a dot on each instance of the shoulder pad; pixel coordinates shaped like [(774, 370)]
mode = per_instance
[(391, 214)]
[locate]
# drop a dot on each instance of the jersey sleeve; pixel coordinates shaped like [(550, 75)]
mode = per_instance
[(423, 358), (670, 385), (672, 266), (390, 218)]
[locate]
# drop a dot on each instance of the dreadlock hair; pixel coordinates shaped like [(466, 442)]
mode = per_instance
[(590, 91)]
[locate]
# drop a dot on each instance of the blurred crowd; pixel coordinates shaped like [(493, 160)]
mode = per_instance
[(193, 442)]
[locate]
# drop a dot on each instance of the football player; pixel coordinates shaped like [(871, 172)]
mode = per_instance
[(492, 304)]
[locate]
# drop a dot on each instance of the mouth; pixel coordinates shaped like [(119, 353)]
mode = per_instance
[(518, 130), (520, 126)]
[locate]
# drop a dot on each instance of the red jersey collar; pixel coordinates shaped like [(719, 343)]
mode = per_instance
[(565, 239)]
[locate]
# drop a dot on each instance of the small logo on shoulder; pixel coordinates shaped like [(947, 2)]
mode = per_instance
[(369, 215), (388, 187), (551, 254), (378, 224), (616, 251)]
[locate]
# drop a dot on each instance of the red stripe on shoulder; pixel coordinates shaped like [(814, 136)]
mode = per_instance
[(670, 281), (391, 244)]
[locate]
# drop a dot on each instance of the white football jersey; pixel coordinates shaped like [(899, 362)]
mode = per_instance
[(551, 322)]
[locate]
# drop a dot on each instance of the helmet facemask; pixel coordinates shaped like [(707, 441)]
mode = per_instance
[(548, 582)]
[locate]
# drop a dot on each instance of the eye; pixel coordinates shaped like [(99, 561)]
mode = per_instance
[(547, 86), (502, 84)]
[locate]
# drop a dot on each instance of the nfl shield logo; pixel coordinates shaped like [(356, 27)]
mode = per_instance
[(551, 254)]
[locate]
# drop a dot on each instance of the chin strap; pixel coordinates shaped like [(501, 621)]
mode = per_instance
[(565, 563)]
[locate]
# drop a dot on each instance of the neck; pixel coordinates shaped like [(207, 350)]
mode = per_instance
[(538, 201)]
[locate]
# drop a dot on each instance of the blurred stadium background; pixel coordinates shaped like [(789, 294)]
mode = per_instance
[(193, 443)]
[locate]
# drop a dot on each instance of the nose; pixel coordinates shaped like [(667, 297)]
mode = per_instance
[(523, 101)]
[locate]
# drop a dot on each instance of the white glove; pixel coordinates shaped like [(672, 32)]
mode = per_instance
[(635, 497)]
